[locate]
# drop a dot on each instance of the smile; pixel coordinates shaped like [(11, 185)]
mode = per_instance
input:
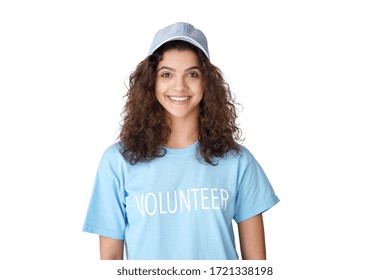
[(179, 98)]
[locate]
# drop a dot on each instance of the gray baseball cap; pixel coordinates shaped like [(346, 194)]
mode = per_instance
[(182, 31)]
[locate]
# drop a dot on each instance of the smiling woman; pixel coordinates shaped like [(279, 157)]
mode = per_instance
[(178, 66), (177, 178), (179, 88)]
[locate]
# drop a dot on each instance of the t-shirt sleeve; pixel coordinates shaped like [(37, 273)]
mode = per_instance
[(106, 213), (255, 194)]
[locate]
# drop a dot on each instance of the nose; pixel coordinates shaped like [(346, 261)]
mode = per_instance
[(179, 84)]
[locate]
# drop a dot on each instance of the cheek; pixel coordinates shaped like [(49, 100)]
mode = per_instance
[(200, 91), (159, 97), (160, 87), (158, 90)]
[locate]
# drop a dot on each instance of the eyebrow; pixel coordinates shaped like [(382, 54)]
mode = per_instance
[(174, 70)]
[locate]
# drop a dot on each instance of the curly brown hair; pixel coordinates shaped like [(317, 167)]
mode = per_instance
[(144, 129)]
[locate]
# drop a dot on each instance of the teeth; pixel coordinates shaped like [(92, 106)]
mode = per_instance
[(179, 99)]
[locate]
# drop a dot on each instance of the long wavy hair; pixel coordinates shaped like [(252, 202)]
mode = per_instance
[(144, 129)]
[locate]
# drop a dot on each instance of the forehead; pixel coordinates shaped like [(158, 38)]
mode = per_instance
[(173, 57)]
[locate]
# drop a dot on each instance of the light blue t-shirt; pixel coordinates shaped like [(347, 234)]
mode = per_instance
[(177, 206)]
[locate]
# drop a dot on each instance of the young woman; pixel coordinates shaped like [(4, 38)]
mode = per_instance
[(177, 178)]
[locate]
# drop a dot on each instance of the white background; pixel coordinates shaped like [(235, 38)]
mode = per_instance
[(313, 78)]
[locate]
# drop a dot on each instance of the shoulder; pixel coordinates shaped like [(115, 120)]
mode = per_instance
[(244, 154), (113, 153), (113, 149)]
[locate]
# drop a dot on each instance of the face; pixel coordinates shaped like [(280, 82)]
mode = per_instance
[(179, 84)]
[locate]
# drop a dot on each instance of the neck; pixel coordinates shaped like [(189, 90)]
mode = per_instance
[(184, 133)]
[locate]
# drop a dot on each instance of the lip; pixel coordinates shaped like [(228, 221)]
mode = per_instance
[(179, 99)]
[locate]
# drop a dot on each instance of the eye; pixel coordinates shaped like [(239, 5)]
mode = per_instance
[(166, 75), (193, 75)]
